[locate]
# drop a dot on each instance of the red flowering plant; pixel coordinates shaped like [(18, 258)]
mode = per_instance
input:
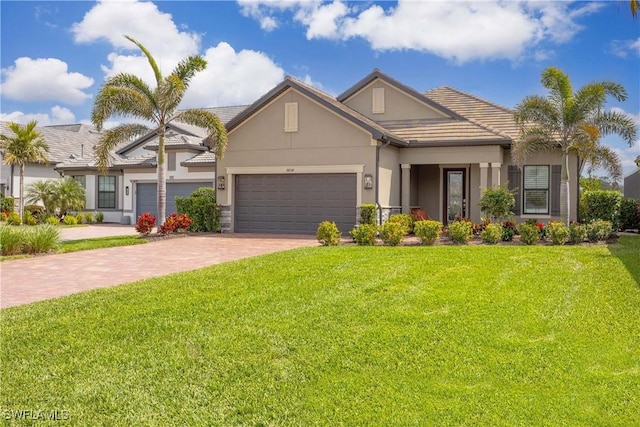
[(145, 223), (419, 215), (175, 222)]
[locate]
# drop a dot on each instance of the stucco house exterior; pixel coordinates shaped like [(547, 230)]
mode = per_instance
[(632, 185), (298, 156), (65, 142)]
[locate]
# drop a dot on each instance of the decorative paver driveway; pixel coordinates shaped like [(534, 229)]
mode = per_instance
[(28, 280)]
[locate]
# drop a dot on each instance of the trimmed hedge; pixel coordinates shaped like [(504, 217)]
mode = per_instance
[(602, 205), (202, 209)]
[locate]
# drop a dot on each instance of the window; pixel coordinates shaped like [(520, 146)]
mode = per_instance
[(291, 117), (106, 192), (171, 161), (536, 190), (378, 100), (81, 179)]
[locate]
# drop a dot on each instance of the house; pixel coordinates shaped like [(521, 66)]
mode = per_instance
[(65, 142), (632, 185), (298, 156), (129, 187)]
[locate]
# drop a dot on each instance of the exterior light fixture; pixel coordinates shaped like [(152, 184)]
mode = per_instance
[(368, 181), (126, 190), (221, 183)]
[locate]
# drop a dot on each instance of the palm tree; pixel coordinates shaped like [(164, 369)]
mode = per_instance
[(635, 7), (128, 95), (69, 195), (42, 191), (25, 146), (569, 121)]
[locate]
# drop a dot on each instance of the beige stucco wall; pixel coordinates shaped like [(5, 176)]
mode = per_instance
[(452, 155), (324, 143), (398, 105), (390, 176)]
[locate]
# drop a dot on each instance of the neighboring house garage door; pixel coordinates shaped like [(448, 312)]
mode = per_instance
[(146, 195), (294, 204)]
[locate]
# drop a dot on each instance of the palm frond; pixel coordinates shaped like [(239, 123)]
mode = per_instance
[(607, 159), (187, 68), (617, 122), (120, 101), (152, 61), (532, 140), (170, 94), (217, 133), (133, 82), (536, 109), (26, 145), (114, 137)]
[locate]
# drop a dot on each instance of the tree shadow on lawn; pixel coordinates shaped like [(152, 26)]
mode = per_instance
[(627, 250)]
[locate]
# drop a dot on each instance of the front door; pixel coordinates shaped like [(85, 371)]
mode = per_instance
[(455, 194)]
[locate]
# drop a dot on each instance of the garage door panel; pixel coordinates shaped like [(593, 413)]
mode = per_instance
[(146, 195), (294, 203)]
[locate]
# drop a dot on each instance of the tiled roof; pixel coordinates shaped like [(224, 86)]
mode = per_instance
[(177, 140), (65, 141), (492, 117), (441, 131), (204, 159)]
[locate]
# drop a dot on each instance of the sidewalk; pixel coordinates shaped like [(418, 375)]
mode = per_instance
[(28, 280)]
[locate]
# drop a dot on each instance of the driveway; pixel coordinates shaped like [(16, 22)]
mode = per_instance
[(44, 277), (96, 230)]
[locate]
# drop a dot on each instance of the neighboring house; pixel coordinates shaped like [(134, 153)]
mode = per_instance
[(129, 187), (298, 156), (65, 142), (632, 185)]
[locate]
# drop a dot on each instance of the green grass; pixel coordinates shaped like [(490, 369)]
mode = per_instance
[(99, 243), (475, 335)]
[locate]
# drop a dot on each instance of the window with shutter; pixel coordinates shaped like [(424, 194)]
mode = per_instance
[(536, 189)]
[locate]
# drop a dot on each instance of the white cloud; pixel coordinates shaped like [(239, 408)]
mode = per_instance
[(58, 115), (459, 31), (232, 78), (44, 79), (111, 20), (264, 11), (625, 48), (635, 117)]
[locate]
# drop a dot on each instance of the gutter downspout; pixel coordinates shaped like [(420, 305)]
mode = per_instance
[(377, 201), (11, 190)]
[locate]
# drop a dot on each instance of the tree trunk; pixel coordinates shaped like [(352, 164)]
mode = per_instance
[(565, 196), (162, 179), (21, 202)]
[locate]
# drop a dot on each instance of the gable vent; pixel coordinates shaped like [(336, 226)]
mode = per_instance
[(378, 100), (291, 117)]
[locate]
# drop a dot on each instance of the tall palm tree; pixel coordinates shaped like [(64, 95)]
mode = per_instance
[(128, 95), (26, 145), (569, 121)]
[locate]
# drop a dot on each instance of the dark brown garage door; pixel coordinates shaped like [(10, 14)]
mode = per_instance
[(294, 204)]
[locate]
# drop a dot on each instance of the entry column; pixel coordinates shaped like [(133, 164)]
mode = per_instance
[(495, 174), (406, 188), (484, 175)]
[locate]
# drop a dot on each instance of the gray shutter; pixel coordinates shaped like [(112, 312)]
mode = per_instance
[(514, 185), (556, 177)]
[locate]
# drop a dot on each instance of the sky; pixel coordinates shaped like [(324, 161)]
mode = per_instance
[(55, 55)]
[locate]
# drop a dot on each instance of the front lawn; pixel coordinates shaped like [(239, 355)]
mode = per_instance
[(99, 243), (444, 335)]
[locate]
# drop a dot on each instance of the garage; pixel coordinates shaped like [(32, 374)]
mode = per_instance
[(146, 195), (295, 203)]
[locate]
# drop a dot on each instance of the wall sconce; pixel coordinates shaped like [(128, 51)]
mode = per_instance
[(126, 190), (221, 183), (368, 181)]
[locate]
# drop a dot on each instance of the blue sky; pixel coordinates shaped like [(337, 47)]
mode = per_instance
[(55, 54)]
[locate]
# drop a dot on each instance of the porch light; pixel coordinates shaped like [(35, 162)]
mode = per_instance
[(368, 181), (126, 190), (221, 183)]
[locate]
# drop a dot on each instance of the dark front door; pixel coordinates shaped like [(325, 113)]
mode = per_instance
[(455, 194)]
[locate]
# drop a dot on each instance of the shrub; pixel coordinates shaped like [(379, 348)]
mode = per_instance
[(629, 216), (460, 231), (4, 216), (6, 204), (508, 231), (601, 205), (405, 219), (392, 232), (368, 214), (419, 215), (79, 217), (13, 218), (99, 217), (201, 207), (70, 220), (497, 202), (364, 234), (10, 240), (529, 233), (428, 231), (577, 233), (328, 233), (558, 232), (36, 211), (28, 218), (88, 217), (41, 238), (599, 230), (492, 233), (53, 220), (175, 222), (145, 223)]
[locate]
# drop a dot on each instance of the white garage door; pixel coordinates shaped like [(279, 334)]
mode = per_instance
[(294, 204), (146, 195)]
